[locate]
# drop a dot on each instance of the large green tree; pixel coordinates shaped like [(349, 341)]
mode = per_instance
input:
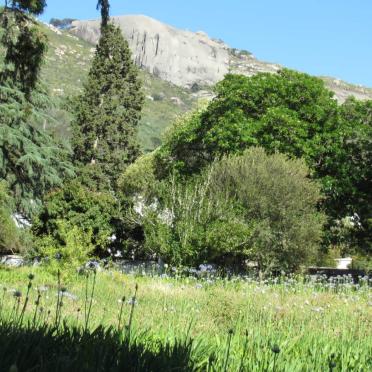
[(104, 6), (30, 160), (291, 113), (109, 108)]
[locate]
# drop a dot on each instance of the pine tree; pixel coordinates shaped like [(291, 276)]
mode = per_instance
[(31, 162), (109, 109)]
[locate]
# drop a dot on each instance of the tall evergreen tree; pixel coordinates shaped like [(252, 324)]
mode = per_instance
[(109, 108), (104, 6), (30, 160)]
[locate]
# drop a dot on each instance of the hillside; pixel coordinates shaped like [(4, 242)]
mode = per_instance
[(67, 65), (191, 59), (177, 68)]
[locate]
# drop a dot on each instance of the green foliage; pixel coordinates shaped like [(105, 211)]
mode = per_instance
[(189, 221), (25, 45), (348, 172), (275, 193), (9, 234), (289, 112), (254, 206), (108, 110), (72, 250), (139, 178), (92, 213), (35, 7), (30, 160)]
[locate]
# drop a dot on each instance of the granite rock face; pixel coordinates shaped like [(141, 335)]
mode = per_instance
[(191, 59), (182, 57)]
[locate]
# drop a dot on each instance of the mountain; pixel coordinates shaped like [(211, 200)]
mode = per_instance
[(191, 59), (65, 70), (178, 68)]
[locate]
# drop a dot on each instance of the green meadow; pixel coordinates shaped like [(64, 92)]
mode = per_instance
[(282, 324)]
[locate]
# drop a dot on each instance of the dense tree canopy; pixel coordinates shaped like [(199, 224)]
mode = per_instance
[(109, 109), (30, 160), (35, 7), (287, 112)]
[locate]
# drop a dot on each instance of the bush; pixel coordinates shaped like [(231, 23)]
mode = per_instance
[(188, 222), (251, 207), (9, 233), (93, 213), (73, 250), (275, 193), (139, 177)]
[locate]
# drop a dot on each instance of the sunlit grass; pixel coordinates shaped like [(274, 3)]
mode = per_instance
[(308, 322)]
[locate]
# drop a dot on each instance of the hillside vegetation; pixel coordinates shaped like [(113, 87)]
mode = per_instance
[(65, 70), (68, 61)]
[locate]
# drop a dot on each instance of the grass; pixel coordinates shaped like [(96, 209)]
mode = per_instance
[(237, 324)]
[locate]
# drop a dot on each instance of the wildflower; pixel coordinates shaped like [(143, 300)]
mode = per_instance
[(69, 295), (132, 301), (17, 294), (58, 256), (317, 309), (275, 349), (31, 276)]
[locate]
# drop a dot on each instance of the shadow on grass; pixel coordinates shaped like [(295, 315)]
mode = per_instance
[(71, 349)]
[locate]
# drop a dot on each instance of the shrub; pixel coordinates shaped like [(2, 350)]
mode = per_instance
[(275, 193), (93, 213), (9, 234), (253, 206), (71, 251), (191, 226), (139, 177)]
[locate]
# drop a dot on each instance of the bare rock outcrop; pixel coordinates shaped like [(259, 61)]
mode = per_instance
[(191, 59), (179, 56)]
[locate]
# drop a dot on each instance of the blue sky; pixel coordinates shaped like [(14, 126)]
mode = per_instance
[(321, 37)]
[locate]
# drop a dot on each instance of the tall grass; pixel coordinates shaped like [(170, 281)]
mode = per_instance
[(281, 324)]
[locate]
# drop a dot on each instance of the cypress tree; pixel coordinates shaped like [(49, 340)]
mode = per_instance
[(105, 12), (109, 109)]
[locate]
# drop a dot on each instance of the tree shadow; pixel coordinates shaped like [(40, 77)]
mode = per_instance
[(72, 349)]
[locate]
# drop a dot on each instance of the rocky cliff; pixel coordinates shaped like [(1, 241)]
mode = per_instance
[(191, 59), (181, 57)]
